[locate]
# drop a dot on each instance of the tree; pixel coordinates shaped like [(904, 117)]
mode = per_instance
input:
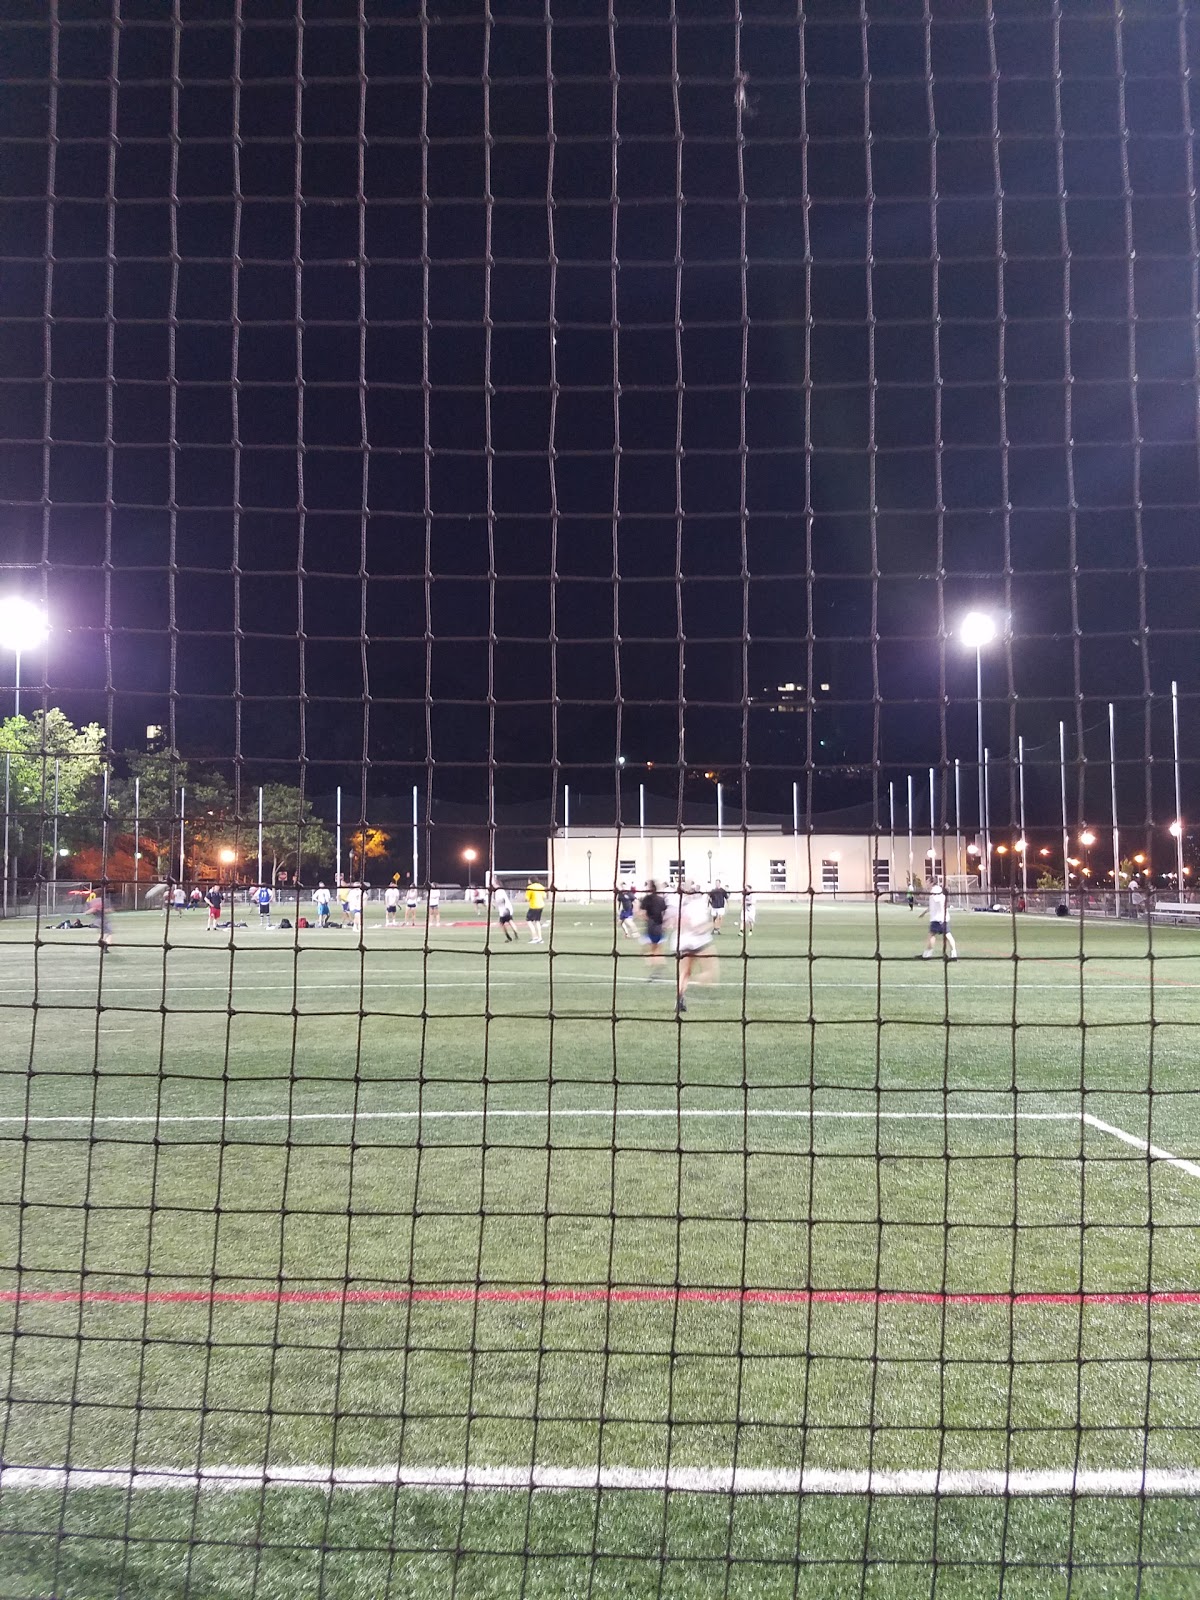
[(292, 832), (150, 792), (48, 756), (367, 844)]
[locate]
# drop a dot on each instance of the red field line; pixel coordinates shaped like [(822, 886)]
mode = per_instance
[(601, 1294)]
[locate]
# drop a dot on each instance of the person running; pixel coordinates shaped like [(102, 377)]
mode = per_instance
[(535, 904), (718, 897), (411, 902), (214, 897), (391, 904), (625, 911), (693, 940), (939, 924), (178, 898), (653, 907), (435, 907), (196, 898), (321, 903), (504, 914), (749, 911), (263, 896)]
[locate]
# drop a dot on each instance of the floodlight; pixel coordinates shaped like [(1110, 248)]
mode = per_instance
[(977, 629), (22, 624)]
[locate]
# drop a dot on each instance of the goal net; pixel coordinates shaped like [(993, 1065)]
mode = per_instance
[(742, 462)]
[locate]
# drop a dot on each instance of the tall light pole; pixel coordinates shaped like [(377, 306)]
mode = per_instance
[(976, 630), (23, 627), (469, 858), (1177, 825)]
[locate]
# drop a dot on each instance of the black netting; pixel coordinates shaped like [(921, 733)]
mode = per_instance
[(598, 958)]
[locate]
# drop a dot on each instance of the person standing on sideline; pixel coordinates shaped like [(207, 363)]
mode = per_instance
[(939, 923), (354, 905), (911, 898), (391, 904), (411, 901), (321, 902), (535, 904), (693, 940), (718, 899), (625, 911), (749, 911), (504, 914), (213, 896), (263, 896), (653, 907)]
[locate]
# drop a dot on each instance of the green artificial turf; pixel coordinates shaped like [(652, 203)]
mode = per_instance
[(417, 1115)]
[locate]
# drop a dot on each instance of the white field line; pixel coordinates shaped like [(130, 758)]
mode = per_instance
[(607, 1113), (1154, 1151), (1037, 1481), (373, 981)]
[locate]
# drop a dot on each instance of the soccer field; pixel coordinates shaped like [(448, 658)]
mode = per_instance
[(423, 1265)]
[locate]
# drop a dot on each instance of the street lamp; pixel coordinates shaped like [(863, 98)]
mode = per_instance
[(227, 857), (22, 627), (469, 858), (976, 630)]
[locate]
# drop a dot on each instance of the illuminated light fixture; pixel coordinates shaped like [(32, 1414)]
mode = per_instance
[(1176, 830), (1087, 838), (977, 629)]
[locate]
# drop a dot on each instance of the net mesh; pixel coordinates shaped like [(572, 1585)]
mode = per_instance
[(738, 467)]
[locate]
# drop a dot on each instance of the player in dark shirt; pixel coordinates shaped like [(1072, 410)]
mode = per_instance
[(718, 896), (654, 909)]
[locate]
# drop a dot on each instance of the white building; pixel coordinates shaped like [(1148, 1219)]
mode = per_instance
[(588, 862)]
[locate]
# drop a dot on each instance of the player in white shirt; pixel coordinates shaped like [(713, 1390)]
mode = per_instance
[(354, 905), (504, 913), (391, 904), (321, 902), (693, 939), (435, 907), (939, 924), (749, 910), (411, 902)]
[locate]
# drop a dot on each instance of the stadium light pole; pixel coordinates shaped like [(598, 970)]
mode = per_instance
[(1177, 825), (977, 630), (469, 858), (23, 627)]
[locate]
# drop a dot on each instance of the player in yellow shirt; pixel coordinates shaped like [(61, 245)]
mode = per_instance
[(535, 901)]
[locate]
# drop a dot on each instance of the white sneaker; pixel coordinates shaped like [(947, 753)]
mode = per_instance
[(927, 955)]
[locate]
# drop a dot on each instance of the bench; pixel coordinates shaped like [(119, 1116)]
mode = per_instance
[(1177, 911)]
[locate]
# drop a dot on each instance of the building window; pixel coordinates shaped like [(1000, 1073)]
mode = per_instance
[(778, 874), (676, 869), (829, 876), (934, 864), (626, 869), (883, 875)]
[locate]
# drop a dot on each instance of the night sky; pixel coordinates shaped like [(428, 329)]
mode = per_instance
[(466, 397)]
